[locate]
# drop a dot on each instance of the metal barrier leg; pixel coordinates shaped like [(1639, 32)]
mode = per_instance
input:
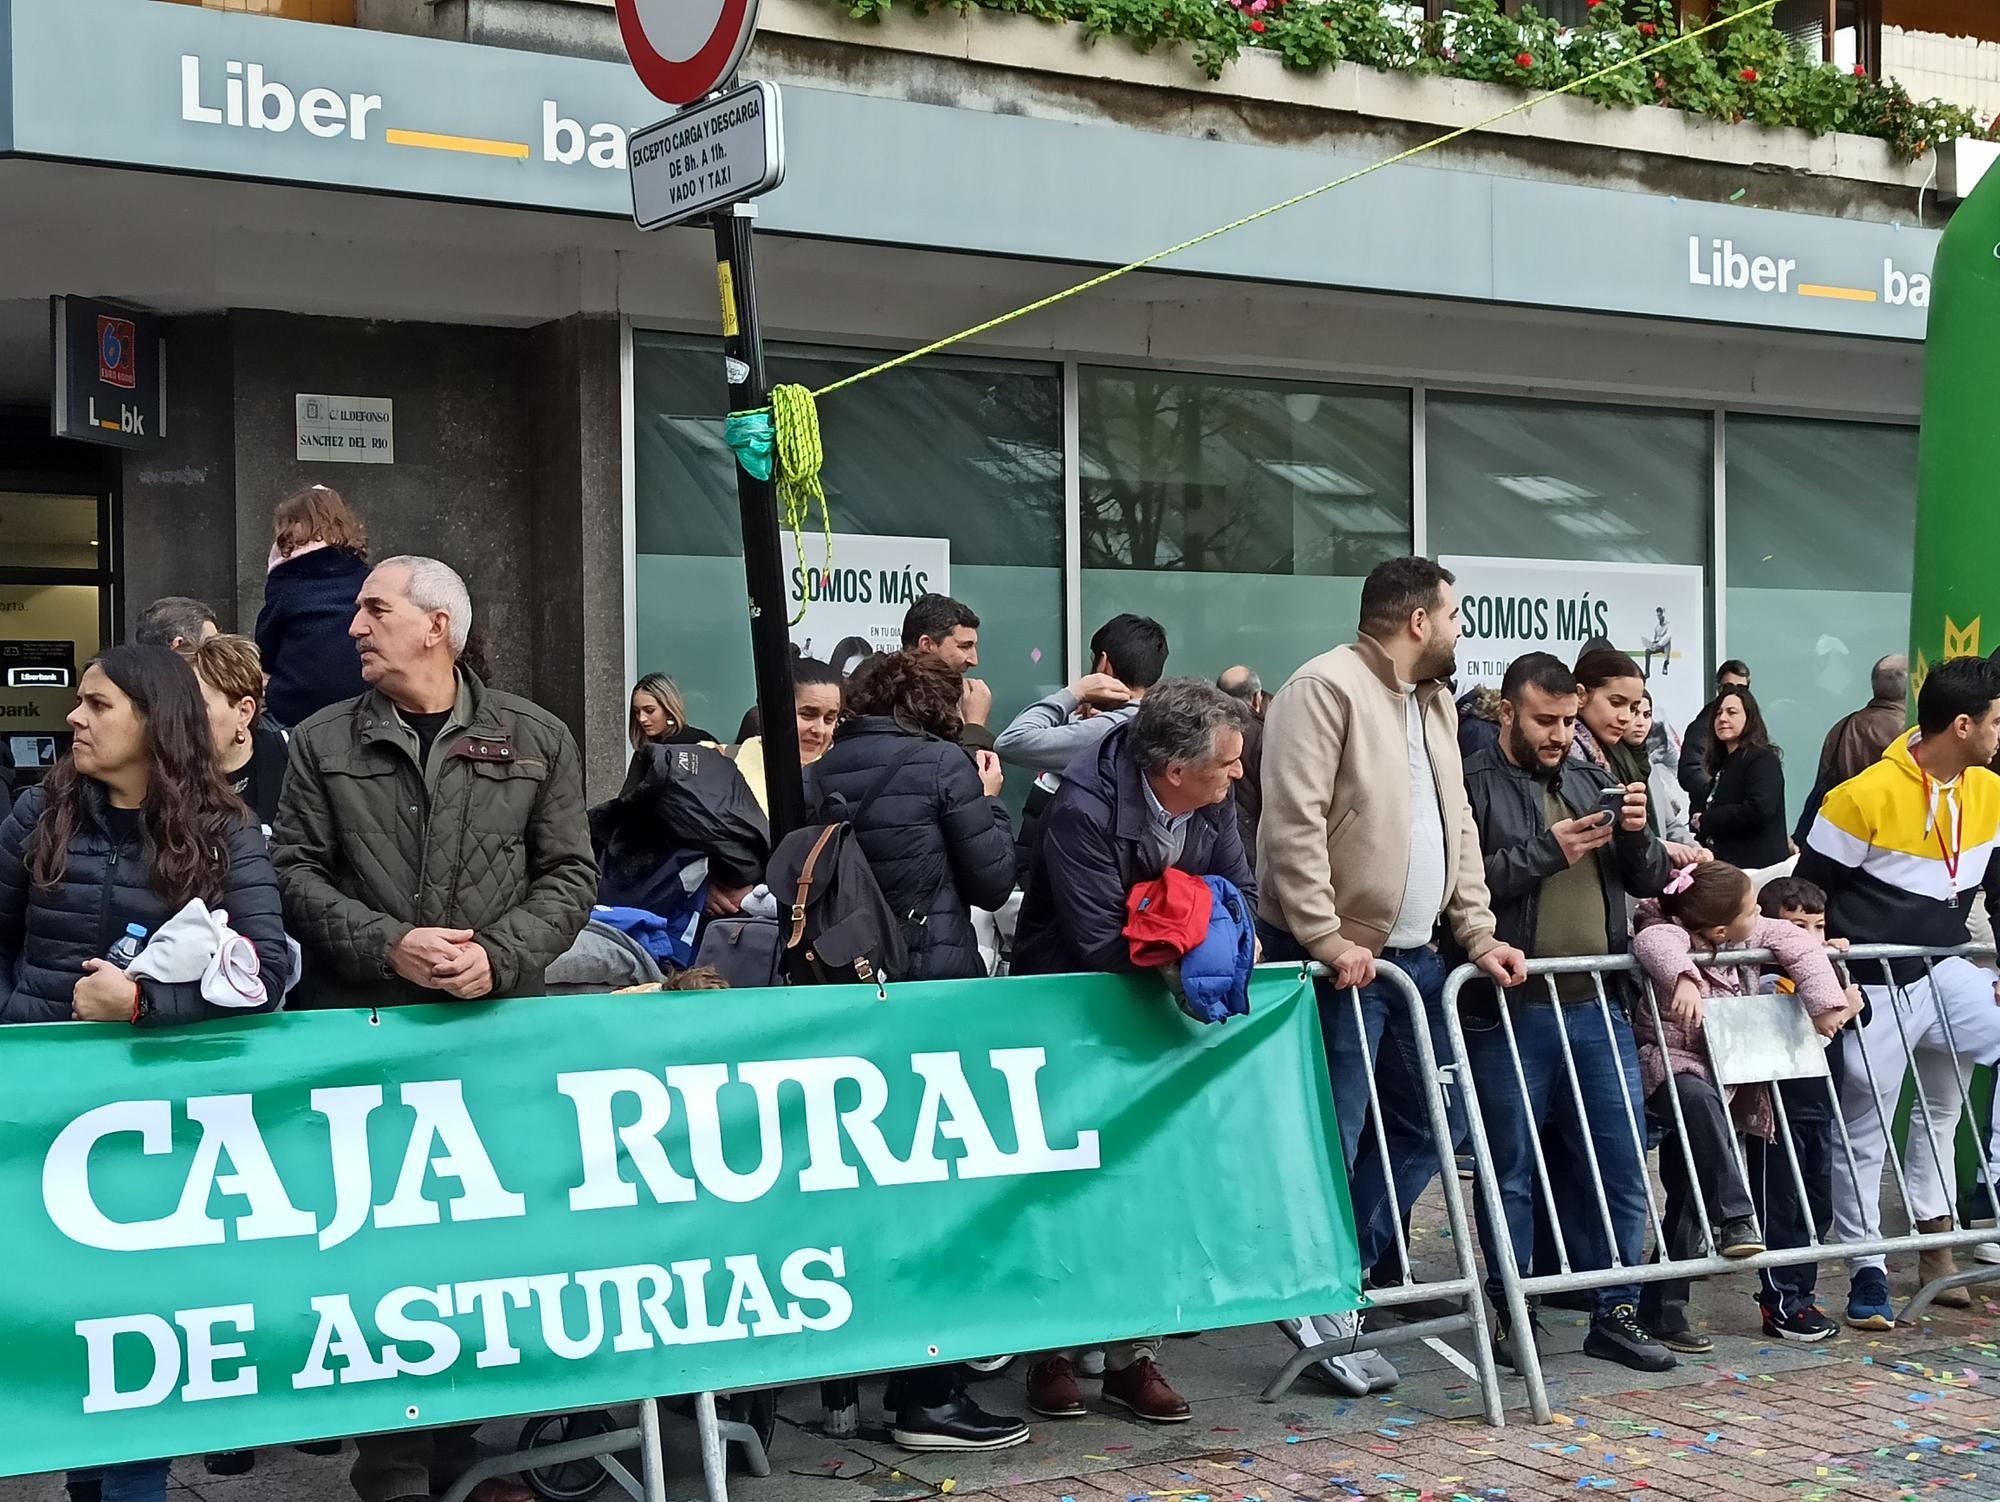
[(754, 1454), (714, 1453), (1965, 1277), (598, 1447), (1437, 1081), (1430, 1081), (1527, 1360), (651, 1465)]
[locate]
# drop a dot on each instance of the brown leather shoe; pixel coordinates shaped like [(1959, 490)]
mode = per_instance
[(1052, 1390), (1141, 1388), (499, 1489), (1938, 1262)]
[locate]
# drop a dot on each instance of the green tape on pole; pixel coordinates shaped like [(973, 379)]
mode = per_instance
[(284, 1228)]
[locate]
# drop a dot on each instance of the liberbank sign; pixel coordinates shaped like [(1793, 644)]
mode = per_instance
[(136, 83)]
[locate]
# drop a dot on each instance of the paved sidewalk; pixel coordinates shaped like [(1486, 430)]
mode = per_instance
[(1910, 1415)]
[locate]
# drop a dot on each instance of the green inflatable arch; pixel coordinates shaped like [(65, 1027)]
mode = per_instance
[(1955, 596)]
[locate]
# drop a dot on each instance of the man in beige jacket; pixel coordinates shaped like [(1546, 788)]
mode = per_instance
[(1366, 840)]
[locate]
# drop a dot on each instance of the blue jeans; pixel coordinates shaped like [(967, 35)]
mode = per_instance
[(1512, 1125), (134, 1481), (1387, 1035)]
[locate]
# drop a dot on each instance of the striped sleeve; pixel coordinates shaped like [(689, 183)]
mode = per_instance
[(1839, 831)]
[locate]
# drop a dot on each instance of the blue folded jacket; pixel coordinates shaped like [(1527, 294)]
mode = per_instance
[(1213, 982)]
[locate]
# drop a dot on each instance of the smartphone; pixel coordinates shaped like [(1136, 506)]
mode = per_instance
[(1611, 803)]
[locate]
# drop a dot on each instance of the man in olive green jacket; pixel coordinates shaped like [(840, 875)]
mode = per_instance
[(430, 844)]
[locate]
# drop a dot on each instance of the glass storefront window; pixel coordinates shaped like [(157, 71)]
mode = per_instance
[(968, 450), (1517, 478), (1822, 551), (51, 617), (1240, 514), (49, 531), (47, 633)]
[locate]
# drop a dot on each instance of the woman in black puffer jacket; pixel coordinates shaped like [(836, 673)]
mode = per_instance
[(128, 827), (936, 836)]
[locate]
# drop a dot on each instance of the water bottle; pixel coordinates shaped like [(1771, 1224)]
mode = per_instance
[(127, 948)]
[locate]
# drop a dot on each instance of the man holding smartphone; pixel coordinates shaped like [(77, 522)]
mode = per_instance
[(1564, 847)]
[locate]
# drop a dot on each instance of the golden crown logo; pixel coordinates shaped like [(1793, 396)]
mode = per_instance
[(1961, 641)]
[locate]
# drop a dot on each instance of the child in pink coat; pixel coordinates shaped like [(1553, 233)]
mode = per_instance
[(1704, 909)]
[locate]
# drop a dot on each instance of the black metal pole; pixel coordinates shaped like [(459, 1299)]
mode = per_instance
[(763, 560)]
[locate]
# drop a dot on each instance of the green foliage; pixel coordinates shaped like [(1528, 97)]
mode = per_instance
[(1749, 71)]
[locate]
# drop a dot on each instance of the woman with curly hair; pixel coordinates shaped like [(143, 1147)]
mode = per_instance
[(936, 834), (929, 819), (319, 556)]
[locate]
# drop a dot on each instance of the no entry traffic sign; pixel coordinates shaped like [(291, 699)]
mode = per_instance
[(683, 50)]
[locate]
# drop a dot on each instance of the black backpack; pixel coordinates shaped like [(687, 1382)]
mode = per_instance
[(834, 924)]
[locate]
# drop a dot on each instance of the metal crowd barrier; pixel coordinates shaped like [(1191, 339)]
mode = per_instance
[(1463, 1287), (1519, 1285), (715, 1434)]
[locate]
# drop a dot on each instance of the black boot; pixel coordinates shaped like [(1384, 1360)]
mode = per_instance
[(231, 1462), (934, 1413), (1618, 1336)]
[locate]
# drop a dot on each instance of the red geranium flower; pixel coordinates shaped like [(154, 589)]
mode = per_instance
[(1748, 75), (1257, 26), (1647, 28), (1861, 70), (1525, 60)]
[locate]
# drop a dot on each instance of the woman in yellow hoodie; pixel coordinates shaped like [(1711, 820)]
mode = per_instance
[(816, 699)]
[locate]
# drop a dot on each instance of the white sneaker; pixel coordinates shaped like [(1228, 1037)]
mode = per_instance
[(1338, 1371), (1373, 1366), (1986, 1251)]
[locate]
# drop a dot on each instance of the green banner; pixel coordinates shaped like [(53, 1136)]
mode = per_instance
[(331, 1223)]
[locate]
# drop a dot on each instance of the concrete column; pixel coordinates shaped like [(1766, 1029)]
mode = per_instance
[(577, 529), (180, 498)]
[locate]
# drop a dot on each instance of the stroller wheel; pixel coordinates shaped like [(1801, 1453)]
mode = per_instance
[(570, 1480), (988, 1366)]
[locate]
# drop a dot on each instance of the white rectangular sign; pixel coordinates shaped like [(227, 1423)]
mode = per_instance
[(1655, 613), (729, 148), (858, 598), (346, 429)]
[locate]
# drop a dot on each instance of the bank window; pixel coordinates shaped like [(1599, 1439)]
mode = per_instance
[(1822, 553), (1516, 478), (966, 452), (1240, 514)]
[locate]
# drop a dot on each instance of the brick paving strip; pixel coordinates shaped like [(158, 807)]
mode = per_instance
[(1899, 1427)]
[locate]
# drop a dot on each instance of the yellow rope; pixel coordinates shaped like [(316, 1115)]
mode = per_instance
[(1339, 182), (795, 425)]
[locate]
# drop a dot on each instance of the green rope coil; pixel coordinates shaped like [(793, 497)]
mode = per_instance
[(786, 432), (795, 420)]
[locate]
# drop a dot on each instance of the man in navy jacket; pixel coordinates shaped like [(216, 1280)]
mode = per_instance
[(1152, 794)]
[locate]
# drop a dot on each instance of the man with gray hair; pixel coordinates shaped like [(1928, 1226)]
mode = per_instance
[(430, 845), (1153, 793), (175, 621), (1244, 683)]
